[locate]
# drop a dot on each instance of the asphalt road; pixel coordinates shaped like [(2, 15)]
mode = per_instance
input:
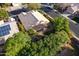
[(73, 26)]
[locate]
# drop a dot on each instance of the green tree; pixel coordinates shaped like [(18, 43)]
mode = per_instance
[(61, 23), (14, 44), (50, 45), (58, 24), (3, 14), (33, 6)]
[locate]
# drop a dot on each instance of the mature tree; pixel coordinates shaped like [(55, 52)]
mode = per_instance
[(3, 14), (58, 24), (34, 6), (14, 44), (50, 45), (61, 23)]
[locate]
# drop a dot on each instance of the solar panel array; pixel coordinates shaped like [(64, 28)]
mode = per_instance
[(4, 30)]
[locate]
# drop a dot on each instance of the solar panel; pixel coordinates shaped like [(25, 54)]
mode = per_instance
[(4, 30)]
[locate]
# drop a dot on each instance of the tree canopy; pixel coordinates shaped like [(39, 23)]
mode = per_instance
[(3, 14), (61, 23), (50, 45), (14, 44)]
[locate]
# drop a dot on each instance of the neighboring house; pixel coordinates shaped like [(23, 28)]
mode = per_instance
[(32, 18), (7, 29), (75, 14), (16, 9), (75, 4), (72, 8)]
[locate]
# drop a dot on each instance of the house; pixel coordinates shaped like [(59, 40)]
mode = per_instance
[(72, 8), (75, 14), (17, 8), (32, 19), (7, 29), (75, 4)]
